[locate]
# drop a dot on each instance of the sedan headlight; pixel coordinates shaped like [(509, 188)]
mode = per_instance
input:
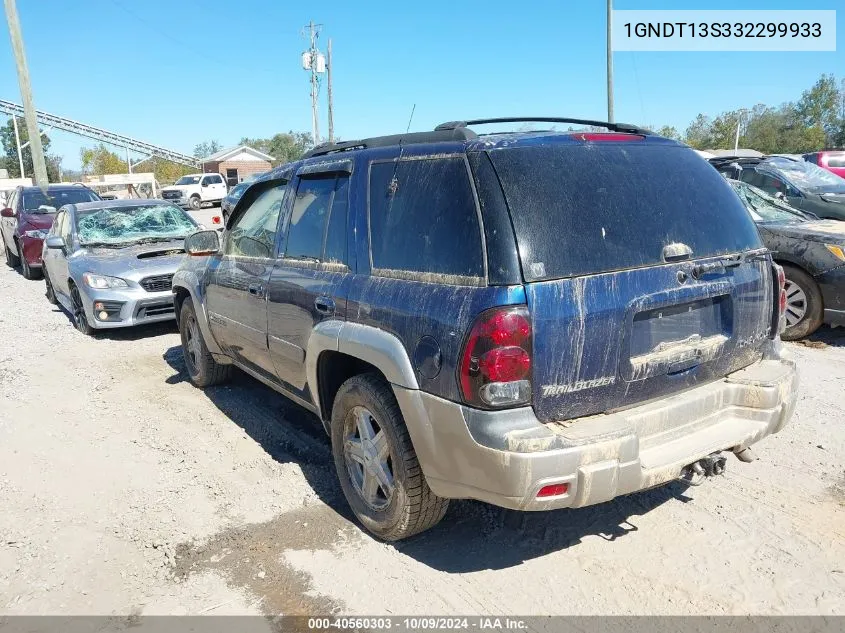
[(836, 250), (103, 281), (37, 234)]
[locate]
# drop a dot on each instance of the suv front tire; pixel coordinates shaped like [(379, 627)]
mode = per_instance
[(202, 369), (376, 462)]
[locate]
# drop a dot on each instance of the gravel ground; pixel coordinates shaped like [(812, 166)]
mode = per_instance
[(124, 490)]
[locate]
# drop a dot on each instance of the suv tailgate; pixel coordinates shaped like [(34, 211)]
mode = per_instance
[(644, 274)]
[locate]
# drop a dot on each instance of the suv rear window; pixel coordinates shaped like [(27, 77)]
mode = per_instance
[(586, 209), (423, 218)]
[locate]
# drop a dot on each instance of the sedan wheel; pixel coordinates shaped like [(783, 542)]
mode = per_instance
[(51, 294), (796, 304), (367, 457), (80, 320), (804, 311)]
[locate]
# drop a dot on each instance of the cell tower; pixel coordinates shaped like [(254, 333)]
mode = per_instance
[(314, 62)]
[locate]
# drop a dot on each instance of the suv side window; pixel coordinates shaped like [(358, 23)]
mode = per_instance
[(423, 218), (254, 232), (317, 228)]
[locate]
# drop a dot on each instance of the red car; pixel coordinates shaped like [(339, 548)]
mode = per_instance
[(28, 217), (831, 160)]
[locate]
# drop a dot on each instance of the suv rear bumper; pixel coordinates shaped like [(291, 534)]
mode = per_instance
[(505, 457)]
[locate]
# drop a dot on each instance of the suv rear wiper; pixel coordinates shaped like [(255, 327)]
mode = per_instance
[(721, 264)]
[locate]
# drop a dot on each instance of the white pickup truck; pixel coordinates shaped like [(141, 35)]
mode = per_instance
[(194, 191)]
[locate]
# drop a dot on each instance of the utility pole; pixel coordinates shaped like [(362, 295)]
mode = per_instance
[(40, 167), (329, 91), (738, 124), (610, 61), (18, 144), (313, 60), (128, 161)]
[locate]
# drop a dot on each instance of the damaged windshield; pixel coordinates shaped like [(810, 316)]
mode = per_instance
[(56, 198), (807, 176), (763, 207), (188, 180), (124, 225)]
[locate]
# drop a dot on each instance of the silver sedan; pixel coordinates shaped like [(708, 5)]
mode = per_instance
[(110, 264)]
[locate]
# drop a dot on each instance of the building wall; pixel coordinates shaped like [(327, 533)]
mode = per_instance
[(245, 168)]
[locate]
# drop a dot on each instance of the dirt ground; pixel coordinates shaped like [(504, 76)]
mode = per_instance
[(125, 490)]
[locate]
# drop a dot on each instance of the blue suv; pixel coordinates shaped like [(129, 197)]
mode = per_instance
[(536, 320)]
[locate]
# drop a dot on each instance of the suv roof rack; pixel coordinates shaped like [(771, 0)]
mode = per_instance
[(409, 138), (455, 131), (614, 127)]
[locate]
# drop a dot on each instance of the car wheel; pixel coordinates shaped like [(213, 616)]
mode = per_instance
[(51, 294), (80, 320), (804, 305), (376, 463), (203, 370), (27, 271), (12, 261), (194, 203)]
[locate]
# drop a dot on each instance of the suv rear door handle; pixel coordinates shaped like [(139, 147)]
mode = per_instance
[(324, 305), (256, 289)]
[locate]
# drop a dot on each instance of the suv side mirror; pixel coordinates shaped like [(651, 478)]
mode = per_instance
[(7, 213), (46, 208), (205, 184), (55, 241), (202, 243)]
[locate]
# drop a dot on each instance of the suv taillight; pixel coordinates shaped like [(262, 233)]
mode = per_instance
[(781, 300), (495, 368)]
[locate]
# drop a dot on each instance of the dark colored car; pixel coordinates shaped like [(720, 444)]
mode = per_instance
[(832, 160), (27, 219), (228, 203), (803, 185), (536, 320), (812, 253)]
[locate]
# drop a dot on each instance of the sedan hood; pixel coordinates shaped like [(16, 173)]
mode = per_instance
[(132, 262), (815, 230)]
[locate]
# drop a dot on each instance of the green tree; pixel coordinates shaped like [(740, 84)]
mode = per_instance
[(819, 106), (282, 147), (669, 132), (99, 160), (207, 148), (10, 151), (698, 134)]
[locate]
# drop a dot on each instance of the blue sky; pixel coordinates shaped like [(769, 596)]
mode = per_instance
[(179, 72)]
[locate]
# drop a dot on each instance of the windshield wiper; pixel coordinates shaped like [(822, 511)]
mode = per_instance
[(103, 244), (153, 240)]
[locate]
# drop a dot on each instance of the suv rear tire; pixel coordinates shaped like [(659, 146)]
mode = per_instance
[(12, 261), (805, 294), (376, 463), (27, 271), (203, 370)]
